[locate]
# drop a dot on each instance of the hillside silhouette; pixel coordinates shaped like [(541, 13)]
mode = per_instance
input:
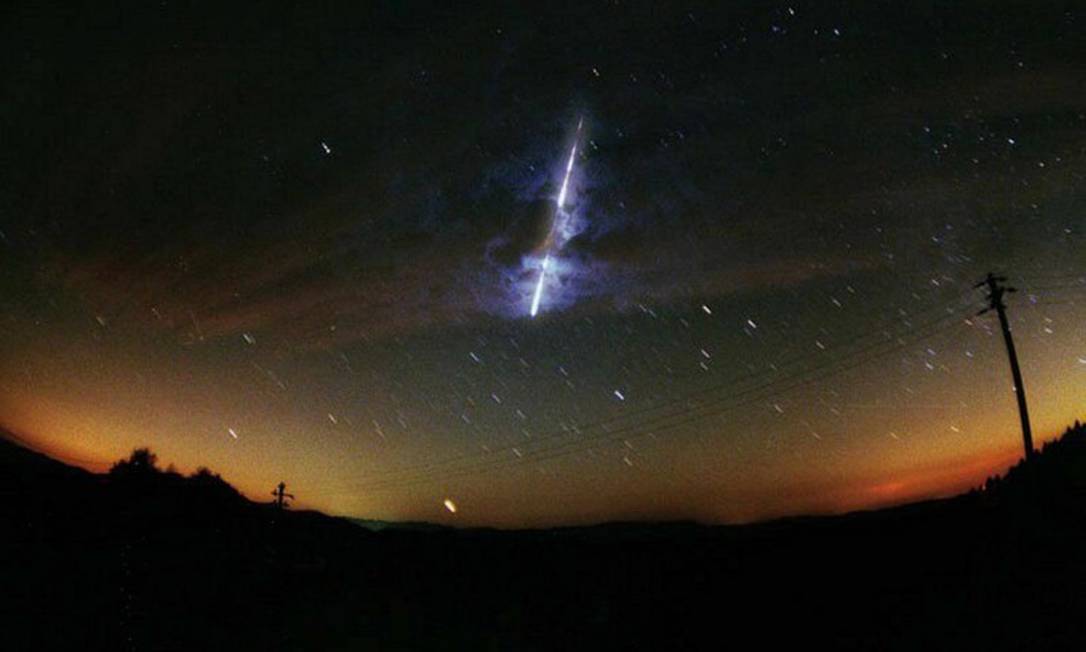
[(145, 558)]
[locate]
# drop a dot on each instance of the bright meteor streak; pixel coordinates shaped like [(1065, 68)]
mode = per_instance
[(559, 211), (539, 285), (565, 180)]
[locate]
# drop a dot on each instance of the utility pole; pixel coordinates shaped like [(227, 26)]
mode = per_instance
[(280, 495), (996, 290)]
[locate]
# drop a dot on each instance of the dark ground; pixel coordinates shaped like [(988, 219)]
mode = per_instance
[(154, 561)]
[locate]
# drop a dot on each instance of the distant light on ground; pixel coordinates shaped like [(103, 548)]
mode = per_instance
[(450, 505)]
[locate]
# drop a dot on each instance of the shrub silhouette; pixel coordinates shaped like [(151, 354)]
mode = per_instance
[(139, 477), (141, 463), (210, 486)]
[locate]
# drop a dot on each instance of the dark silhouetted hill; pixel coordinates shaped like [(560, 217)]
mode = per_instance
[(142, 558)]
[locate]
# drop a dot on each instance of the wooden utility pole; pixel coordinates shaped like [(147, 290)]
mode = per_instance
[(996, 290)]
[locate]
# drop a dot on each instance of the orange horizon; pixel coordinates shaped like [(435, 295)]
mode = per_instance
[(935, 480)]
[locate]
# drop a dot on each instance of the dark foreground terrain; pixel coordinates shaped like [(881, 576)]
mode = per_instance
[(146, 560)]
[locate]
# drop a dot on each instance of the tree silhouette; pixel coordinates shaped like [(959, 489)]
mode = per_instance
[(141, 463)]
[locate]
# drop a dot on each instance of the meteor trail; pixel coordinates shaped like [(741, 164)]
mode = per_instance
[(559, 212), (539, 285)]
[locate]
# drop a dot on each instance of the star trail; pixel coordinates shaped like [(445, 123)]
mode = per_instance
[(372, 256)]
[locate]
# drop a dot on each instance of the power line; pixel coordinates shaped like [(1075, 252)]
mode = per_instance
[(664, 422), (574, 447), (683, 403), (1049, 288)]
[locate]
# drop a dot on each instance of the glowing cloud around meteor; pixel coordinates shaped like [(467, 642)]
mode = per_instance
[(559, 216)]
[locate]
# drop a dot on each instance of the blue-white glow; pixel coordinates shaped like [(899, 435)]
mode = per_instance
[(559, 214)]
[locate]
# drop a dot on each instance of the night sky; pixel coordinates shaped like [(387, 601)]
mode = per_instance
[(299, 244)]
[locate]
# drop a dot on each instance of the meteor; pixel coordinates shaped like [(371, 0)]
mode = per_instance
[(539, 285), (559, 212)]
